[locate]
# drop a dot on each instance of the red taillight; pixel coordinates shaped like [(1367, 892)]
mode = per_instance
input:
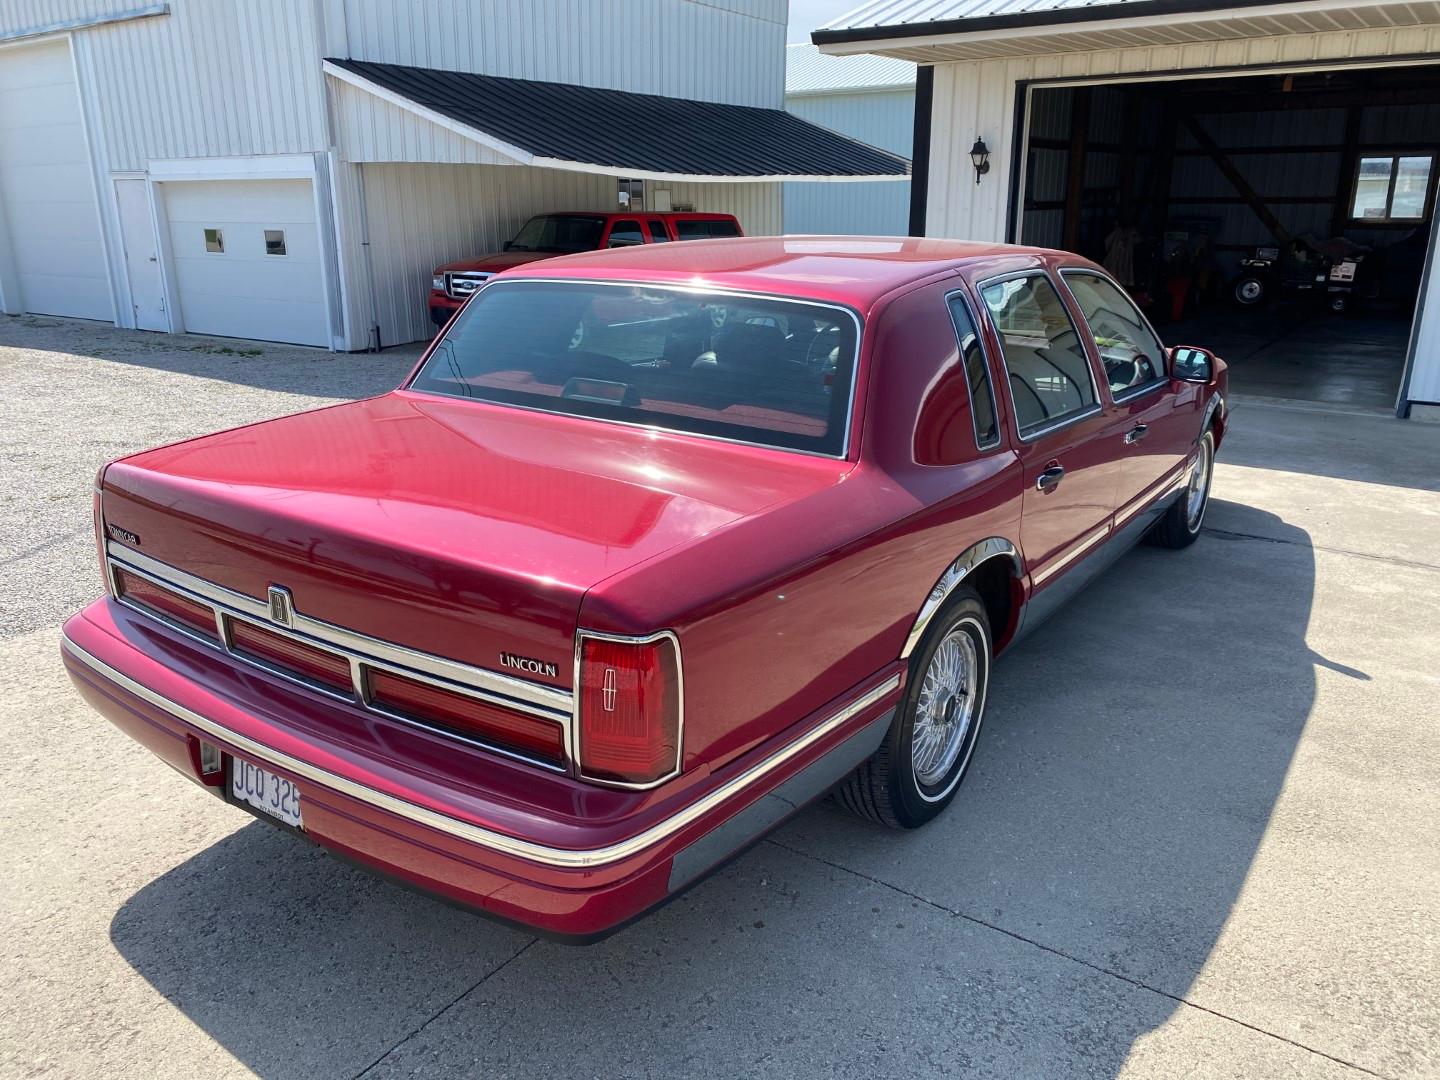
[(468, 715), (318, 665), (162, 601), (629, 729)]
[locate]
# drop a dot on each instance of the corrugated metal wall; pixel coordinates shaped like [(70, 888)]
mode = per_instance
[(214, 78), (422, 216), (881, 118), (713, 51)]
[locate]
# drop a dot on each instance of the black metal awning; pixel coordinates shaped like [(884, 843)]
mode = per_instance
[(646, 136)]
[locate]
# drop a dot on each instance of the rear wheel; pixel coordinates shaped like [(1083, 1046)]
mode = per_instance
[(927, 751), (1181, 523)]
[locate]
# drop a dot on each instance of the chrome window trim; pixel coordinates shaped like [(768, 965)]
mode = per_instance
[(994, 547), (492, 686), (1142, 388), (1061, 421), (565, 858), (595, 635), (705, 290), (950, 297)]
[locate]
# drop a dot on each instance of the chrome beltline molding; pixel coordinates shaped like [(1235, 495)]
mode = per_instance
[(565, 858), (555, 702)]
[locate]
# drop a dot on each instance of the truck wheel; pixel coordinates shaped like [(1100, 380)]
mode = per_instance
[(928, 749), (1181, 523), (1249, 290)]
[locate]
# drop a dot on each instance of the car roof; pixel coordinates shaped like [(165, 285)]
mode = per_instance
[(853, 270)]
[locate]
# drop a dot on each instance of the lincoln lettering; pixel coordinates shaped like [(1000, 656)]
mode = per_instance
[(525, 663)]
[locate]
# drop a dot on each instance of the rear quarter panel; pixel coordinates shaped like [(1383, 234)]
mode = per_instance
[(786, 610)]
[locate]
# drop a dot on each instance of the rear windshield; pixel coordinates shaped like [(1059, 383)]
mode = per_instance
[(776, 372), (560, 233), (692, 229)]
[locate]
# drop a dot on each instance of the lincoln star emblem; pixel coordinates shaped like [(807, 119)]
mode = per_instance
[(282, 607), (607, 691)]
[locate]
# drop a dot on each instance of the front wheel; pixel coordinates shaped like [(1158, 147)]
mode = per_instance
[(1181, 523), (927, 751)]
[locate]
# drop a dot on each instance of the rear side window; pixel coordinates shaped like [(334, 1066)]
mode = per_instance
[(658, 235), (690, 229), (1049, 375), (977, 375), (625, 233), (758, 369)]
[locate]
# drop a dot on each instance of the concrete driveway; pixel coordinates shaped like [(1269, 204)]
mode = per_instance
[(1201, 838)]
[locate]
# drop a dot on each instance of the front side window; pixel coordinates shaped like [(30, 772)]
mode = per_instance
[(977, 375), (762, 370), (1392, 187), (559, 233), (1132, 354), (625, 233), (1049, 374)]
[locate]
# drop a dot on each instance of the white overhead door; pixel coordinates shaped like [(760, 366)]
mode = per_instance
[(246, 255), (47, 192)]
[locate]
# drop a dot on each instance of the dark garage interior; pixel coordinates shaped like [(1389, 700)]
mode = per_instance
[(1281, 220)]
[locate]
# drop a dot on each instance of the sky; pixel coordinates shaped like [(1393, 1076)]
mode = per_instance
[(807, 15)]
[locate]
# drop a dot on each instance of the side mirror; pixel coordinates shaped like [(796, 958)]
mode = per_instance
[(1191, 364)]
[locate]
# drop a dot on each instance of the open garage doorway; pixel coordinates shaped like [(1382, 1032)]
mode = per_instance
[(1281, 219)]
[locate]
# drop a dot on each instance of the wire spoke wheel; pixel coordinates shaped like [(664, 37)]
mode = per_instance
[(946, 708)]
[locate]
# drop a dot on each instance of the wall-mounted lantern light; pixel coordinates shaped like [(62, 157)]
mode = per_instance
[(980, 158)]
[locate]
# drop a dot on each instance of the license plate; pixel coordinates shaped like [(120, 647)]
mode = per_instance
[(271, 794)]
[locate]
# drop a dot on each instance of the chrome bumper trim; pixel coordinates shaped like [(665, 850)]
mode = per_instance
[(565, 858)]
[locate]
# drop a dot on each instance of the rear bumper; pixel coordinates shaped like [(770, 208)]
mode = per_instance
[(569, 879)]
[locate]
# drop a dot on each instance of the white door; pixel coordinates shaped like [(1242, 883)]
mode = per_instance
[(142, 257), (46, 186), (246, 255)]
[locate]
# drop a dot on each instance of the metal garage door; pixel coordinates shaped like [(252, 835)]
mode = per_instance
[(246, 255), (47, 193)]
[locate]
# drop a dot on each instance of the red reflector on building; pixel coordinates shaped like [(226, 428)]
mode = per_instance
[(162, 601), (629, 710), (469, 716), (317, 665)]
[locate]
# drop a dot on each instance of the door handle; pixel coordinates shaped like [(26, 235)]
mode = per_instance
[(1135, 434), (1050, 479)]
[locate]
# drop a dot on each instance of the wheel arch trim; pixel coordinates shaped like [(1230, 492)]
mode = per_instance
[(968, 561)]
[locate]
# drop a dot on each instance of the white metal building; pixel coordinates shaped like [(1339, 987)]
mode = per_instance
[(870, 98), (996, 70), (213, 166)]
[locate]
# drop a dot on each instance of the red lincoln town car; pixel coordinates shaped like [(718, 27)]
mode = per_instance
[(653, 547)]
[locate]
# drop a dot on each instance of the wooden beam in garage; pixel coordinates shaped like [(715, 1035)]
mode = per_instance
[(1075, 165), (1237, 181), (1345, 181)]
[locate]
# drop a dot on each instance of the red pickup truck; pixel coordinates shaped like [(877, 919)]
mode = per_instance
[(547, 235)]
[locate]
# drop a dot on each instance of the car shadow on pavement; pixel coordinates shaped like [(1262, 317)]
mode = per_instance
[(1134, 750)]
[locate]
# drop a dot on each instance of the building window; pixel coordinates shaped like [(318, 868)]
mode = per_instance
[(215, 241), (274, 241), (1392, 187)]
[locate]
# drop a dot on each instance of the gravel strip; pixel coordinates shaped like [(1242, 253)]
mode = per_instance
[(78, 394)]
